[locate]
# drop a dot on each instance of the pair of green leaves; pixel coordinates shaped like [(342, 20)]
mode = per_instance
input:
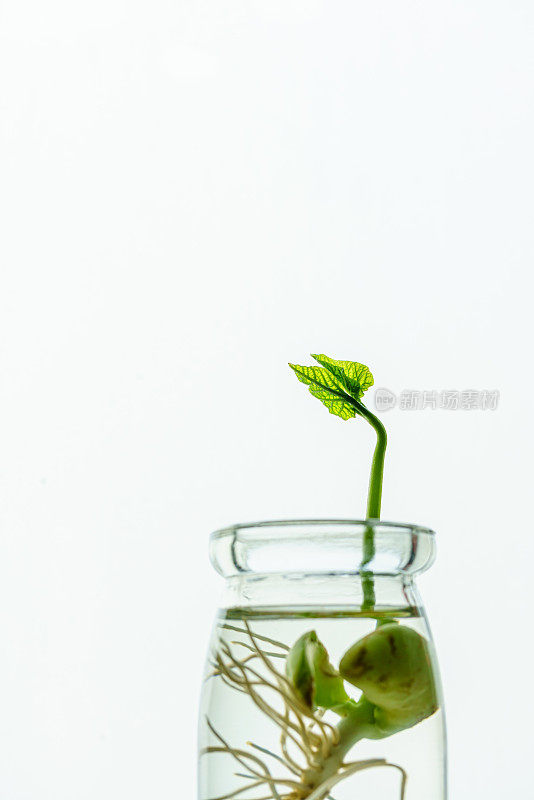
[(391, 666), (340, 385)]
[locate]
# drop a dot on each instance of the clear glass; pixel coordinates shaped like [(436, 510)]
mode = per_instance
[(311, 691)]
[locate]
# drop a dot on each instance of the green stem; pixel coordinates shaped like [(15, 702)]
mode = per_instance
[(374, 496), (374, 501), (357, 723)]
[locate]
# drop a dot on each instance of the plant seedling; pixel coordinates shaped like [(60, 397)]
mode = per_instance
[(391, 666), (340, 386)]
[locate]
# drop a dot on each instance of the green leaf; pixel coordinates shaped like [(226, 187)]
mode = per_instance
[(327, 389), (311, 674), (353, 377), (335, 383)]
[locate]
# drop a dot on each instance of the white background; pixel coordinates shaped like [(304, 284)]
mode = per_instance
[(192, 194)]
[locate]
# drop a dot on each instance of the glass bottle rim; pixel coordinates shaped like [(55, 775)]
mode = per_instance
[(322, 546), (376, 524)]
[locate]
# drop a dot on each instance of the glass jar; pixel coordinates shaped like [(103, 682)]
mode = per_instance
[(312, 690)]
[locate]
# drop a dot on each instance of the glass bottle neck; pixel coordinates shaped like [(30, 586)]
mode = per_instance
[(313, 593)]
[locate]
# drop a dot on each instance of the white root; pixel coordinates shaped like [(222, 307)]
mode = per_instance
[(305, 728)]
